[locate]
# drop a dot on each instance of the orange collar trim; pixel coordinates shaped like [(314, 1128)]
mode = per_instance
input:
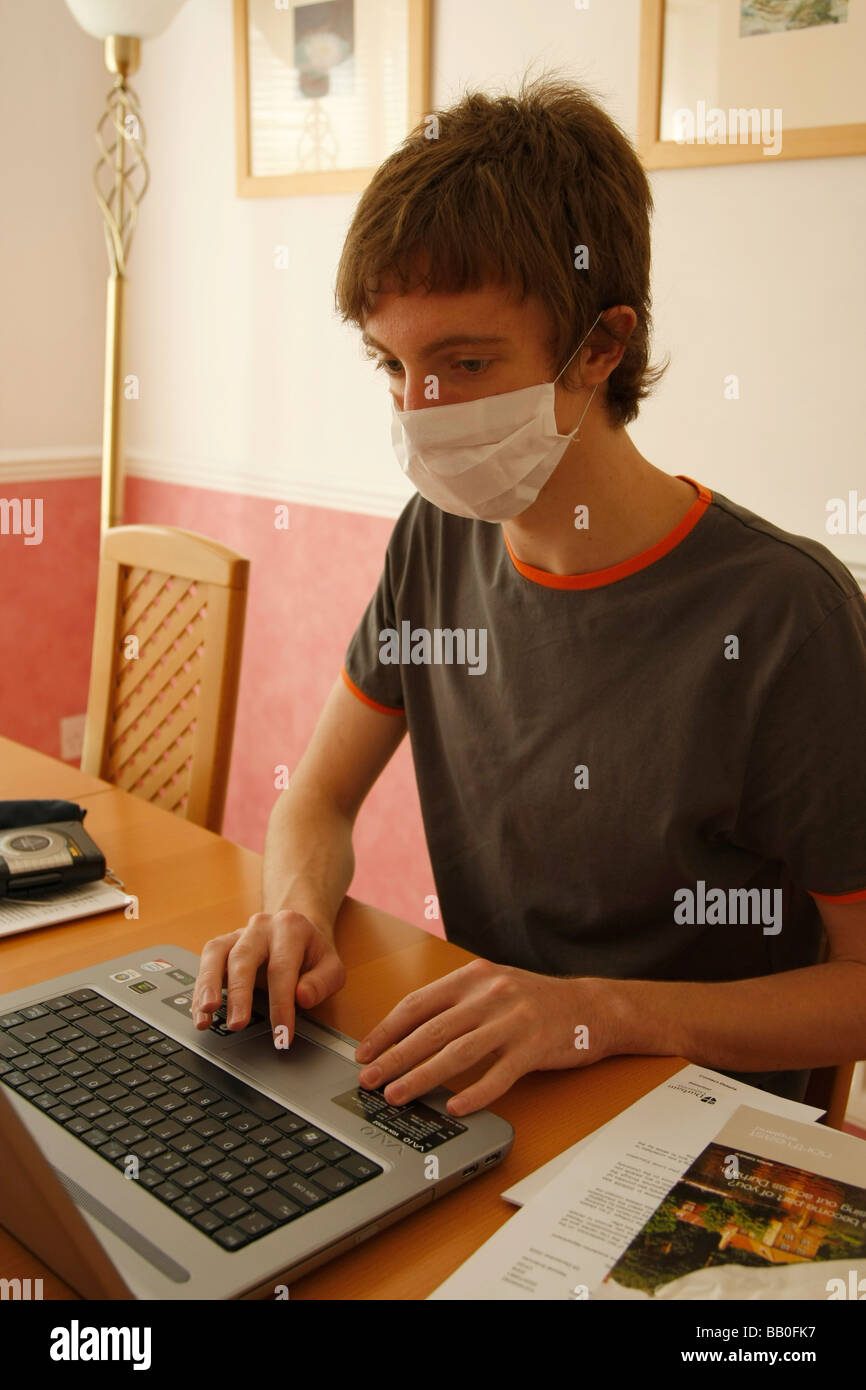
[(596, 578)]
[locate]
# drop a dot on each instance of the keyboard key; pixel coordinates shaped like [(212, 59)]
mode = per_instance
[(188, 1114), (33, 1030), (11, 1020), (166, 1129), (10, 1048), (77, 1096), (248, 1186), (131, 1134), (186, 1141), (94, 1137), (232, 1208), (360, 1168), (94, 1079), (231, 1237), (132, 1078), (62, 1113), (150, 1179), (332, 1180), (209, 1127), (210, 1192), (244, 1121), (188, 1177), (185, 1084), (113, 1151), (208, 1157), (55, 1005), (131, 1051), (284, 1149), (45, 1101), (169, 1102), (277, 1206), (310, 1137), (187, 1206), (43, 1072), (224, 1109), (82, 996), (110, 1093), (73, 1014), (148, 1149), (151, 1089), (167, 1048), (168, 1163), (306, 1163), (227, 1171), (255, 1224), (301, 1191), (34, 1011), (264, 1135), (168, 1074), (248, 1154), (148, 1117), (204, 1098), (270, 1169), (93, 1109), (128, 1104), (168, 1191), (289, 1123), (207, 1221), (95, 1027), (333, 1152)]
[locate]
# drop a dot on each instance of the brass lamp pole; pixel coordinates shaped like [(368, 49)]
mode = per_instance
[(121, 177), (126, 166)]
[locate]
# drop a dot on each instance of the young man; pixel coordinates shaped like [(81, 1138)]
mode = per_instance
[(635, 707)]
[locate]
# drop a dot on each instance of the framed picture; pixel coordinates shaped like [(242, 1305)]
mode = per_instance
[(728, 81), (325, 90)]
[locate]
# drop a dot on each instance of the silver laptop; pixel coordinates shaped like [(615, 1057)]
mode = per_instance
[(206, 1164)]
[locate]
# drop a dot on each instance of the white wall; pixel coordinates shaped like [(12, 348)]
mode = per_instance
[(249, 380), (53, 264)]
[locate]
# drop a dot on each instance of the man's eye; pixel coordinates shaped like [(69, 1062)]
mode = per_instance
[(474, 365)]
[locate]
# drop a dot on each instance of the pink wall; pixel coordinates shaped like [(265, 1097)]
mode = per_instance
[(309, 586)]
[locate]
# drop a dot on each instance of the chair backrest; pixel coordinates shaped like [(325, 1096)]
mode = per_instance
[(830, 1087), (167, 644)]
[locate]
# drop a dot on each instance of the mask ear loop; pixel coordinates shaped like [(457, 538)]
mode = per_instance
[(579, 346), (573, 433)]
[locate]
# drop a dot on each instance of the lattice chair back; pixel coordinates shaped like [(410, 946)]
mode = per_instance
[(167, 645)]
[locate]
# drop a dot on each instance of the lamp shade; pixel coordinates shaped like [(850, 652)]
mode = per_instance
[(138, 19)]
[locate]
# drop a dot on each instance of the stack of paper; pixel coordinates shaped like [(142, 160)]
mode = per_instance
[(704, 1179)]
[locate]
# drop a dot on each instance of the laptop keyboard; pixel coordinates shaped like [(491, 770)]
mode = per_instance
[(231, 1161)]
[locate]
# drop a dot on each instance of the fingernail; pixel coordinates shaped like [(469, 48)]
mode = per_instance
[(364, 1051), (372, 1075)]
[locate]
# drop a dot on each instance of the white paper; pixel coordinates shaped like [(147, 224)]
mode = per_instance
[(566, 1238), (804, 1176), (83, 900)]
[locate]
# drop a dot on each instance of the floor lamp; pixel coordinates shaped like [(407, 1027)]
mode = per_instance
[(121, 177)]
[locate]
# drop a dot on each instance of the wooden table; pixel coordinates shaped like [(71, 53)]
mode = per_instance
[(192, 885)]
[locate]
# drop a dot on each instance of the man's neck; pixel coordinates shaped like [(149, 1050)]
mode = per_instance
[(625, 506)]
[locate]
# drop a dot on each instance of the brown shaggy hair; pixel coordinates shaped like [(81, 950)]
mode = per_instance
[(504, 194)]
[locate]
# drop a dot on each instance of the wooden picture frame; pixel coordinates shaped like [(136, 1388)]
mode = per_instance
[(327, 180), (808, 142)]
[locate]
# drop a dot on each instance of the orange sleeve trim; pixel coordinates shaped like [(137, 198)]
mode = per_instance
[(858, 897), (596, 578), (374, 704)]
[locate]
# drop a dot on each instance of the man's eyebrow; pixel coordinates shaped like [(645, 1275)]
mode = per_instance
[(454, 340)]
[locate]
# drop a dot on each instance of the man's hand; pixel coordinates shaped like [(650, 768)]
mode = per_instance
[(282, 951), (525, 1022)]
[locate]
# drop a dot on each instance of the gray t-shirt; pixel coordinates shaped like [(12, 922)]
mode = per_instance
[(602, 751)]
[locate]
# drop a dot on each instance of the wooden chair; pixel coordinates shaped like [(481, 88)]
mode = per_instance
[(830, 1087), (167, 644)]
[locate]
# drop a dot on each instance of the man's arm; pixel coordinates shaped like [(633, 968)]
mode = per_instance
[(811, 1017), (308, 866), (308, 857)]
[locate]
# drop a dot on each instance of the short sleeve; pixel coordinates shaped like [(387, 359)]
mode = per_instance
[(804, 793), (378, 684)]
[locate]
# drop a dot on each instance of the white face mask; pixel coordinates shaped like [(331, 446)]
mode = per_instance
[(488, 458)]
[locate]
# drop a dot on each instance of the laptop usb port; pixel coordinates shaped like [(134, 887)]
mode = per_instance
[(473, 1168), (491, 1158)]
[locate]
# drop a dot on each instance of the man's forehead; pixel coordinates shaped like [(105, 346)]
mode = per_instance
[(490, 314)]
